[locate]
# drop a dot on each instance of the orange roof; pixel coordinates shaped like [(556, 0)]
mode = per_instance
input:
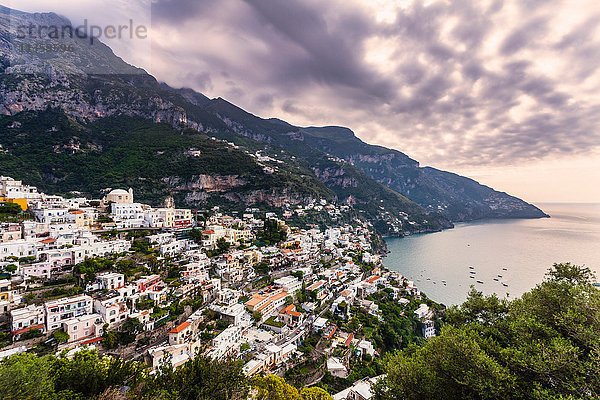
[(349, 340), (332, 332), (315, 285), (372, 279), (180, 327), (76, 212), (291, 307), (294, 313), (340, 274), (211, 232), (278, 296), (257, 298), (47, 240), (346, 293)]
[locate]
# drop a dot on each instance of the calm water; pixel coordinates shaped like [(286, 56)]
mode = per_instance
[(526, 248)]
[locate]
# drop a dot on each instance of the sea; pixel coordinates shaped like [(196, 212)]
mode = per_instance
[(507, 257)]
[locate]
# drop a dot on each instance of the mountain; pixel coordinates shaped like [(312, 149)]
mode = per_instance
[(456, 197), (89, 106), (460, 198)]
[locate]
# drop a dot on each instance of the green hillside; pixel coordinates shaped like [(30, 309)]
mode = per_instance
[(58, 154)]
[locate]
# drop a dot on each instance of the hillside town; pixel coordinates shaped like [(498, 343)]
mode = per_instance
[(161, 285)]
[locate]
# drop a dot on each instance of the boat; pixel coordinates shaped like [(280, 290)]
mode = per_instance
[(496, 279), (472, 277), (504, 284), (480, 282), (471, 267), (499, 276), (472, 272), (504, 269), (428, 279)]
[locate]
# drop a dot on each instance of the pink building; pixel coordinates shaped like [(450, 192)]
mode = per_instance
[(151, 282), (83, 327)]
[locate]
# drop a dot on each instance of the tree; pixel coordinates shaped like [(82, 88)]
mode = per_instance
[(144, 303), (10, 268), (314, 393), (196, 235), (10, 208), (132, 326), (574, 274), (298, 274), (244, 347), (543, 345), (272, 387), (222, 245), (256, 315), (89, 374), (61, 336), (272, 232), (110, 340), (25, 376), (202, 379), (85, 375)]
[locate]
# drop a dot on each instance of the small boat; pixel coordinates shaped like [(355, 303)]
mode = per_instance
[(480, 282), (443, 281), (499, 276), (496, 279), (472, 277), (444, 284), (471, 267), (504, 284), (428, 279), (504, 269), (472, 272)]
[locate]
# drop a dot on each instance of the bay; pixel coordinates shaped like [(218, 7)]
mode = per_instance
[(509, 256)]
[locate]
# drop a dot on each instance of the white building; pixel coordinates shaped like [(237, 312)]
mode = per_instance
[(19, 248), (62, 309), (51, 215), (428, 329), (24, 319), (289, 283), (128, 215), (120, 196), (227, 342), (107, 281)]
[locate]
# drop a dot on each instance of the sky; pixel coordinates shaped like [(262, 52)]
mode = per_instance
[(506, 92)]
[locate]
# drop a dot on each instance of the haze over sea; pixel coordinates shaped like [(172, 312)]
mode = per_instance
[(525, 247)]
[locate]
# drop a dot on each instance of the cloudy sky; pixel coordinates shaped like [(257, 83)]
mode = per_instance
[(506, 92)]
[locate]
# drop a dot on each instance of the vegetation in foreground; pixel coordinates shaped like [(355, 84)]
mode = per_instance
[(544, 345)]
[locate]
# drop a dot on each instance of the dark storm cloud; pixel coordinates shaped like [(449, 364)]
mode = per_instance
[(462, 82)]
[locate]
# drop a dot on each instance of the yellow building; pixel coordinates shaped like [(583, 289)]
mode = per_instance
[(21, 202)]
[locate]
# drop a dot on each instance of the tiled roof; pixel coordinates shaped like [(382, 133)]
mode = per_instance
[(180, 327)]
